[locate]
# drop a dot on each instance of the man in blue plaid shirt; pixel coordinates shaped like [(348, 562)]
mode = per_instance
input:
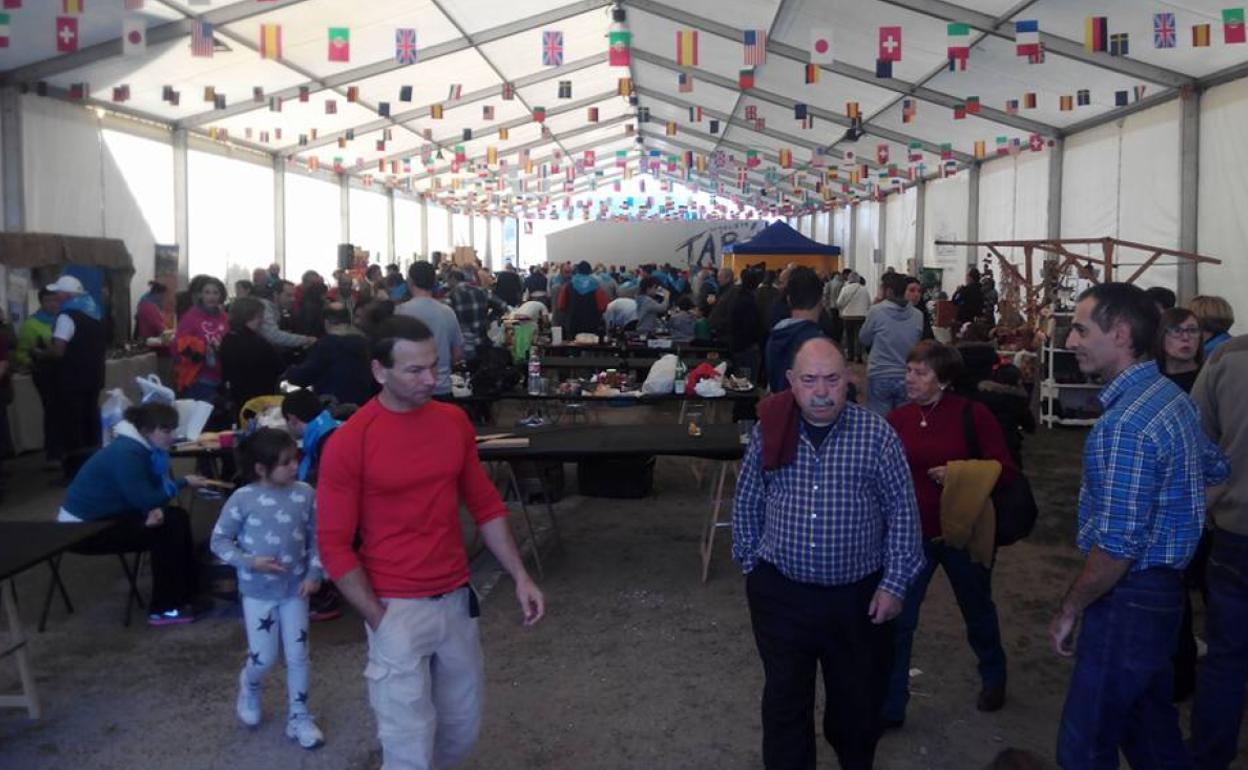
[(826, 527), (1141, 511)]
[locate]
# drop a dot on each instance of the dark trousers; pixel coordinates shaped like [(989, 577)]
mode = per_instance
[(853, 348), (972, 586), (799, 627), (1186, 654), (1223, 673), (171, 548), (51, 430), (78, 422), (1120, 691)]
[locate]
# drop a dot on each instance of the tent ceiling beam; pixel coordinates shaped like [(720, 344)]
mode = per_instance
[(841, 68), (1070, 49), (163, 33), (753, 174), (736, 105), (426, 55), (787, 103)]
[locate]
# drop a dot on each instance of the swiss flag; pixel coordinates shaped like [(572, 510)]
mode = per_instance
[(66, 34), (890, 44)]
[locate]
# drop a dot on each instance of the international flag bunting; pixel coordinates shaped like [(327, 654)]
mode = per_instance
[(972, 105), (1067, 102), (509, 91), (684, 82), (339, 44), (383, 109), (167, 94), (745, 80), (1029, 100), (565, 89), (1165, 32), (134, 36), (881, 154), (405, 51), (959, 46), (800, 111), (210, 93), (219, 102), (1119, 44), (671, 128), (1200, 36), (1233, 26), (467, 134), (331, 107), (625, 87), (786, 158), (539, 114), (79, 91), (1027, 37), (755, 44), (890, 44), (1096, 33), (1083, 97), (751, 112), (643, 114), (852, 111), (713, 126), (908, 110), (454, 92), (760, 124), (695, 114), (131, 5), (1121, 98), (883, 68), (405, 93), (591, 115), (916, 152), (436, 111), (812, 73), (821, 50), (71, 6), (257, 94), (1035, 143), (504, 133), (487, 112), (552, 48), (1003, 145), (66, 34), (619, 46), (120, 93), (687, 47), (751, 158), (270, 41), (959, 111), (201, 38), (353, 94), (1139, 92)]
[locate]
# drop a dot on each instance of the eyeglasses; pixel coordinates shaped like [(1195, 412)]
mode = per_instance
[(1183, 331)]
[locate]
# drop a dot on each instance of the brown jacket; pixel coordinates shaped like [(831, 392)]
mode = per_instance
[(1219, 394), (967, 518)]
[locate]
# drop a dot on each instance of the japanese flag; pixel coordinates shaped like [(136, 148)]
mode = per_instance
[(821, 46), (134, 36)]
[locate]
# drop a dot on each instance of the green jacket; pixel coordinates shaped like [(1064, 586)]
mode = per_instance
[(32, 334)]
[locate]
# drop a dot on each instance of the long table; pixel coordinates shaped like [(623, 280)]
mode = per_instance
[(719, 443), (23, 545), (637, 351)]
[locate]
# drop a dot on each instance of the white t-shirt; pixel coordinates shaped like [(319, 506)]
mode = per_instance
[(620, 312), (64, 328), (532, 310)]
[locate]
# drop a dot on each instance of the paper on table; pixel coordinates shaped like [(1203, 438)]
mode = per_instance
[(503, 443), (192, 416)]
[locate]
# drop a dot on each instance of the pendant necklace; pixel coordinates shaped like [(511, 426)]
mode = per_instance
[(924, 415)]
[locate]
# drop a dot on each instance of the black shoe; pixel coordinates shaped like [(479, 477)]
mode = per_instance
[(991, 698)]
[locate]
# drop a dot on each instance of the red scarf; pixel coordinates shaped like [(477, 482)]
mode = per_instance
[(779, 418)]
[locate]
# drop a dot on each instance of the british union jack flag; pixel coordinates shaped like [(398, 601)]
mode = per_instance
[(405, 46), (552, 48), (1165, 34)]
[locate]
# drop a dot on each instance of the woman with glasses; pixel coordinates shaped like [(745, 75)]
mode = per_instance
[(1179, 353)]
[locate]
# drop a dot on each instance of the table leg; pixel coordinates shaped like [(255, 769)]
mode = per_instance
[(29, 699), (713, 523), (510, 480)]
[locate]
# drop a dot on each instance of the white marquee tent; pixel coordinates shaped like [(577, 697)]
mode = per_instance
[(111, 125)]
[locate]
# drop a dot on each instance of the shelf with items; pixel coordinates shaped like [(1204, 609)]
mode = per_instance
[(1058, 400)]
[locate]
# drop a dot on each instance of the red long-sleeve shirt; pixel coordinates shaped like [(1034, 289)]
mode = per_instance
[(942, 441), (398, 479)]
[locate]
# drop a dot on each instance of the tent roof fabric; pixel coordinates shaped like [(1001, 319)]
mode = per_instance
[(376, 118), (779, 238)]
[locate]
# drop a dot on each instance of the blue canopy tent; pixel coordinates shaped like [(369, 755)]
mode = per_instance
[(778, 245)]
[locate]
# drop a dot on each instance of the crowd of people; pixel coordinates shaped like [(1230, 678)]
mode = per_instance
[(843, 511)]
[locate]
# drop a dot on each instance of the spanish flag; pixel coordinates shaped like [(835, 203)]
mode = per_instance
[(503, 134), (851, 111), (1200, 36), (786, 158), (981, 149), (812, 73), (687, 47), (270, 41)]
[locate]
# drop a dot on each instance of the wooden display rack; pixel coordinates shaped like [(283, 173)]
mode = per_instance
[(1058, 246)]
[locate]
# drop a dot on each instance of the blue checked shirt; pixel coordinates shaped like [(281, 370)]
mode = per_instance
[(1146, 464), (834, 515)]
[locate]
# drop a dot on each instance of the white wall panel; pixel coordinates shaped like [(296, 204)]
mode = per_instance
[(1090, 185), (1223, 228), (313, 229), (231, 222), (947, 205), (866, 241), (406, 230), (369, 224)]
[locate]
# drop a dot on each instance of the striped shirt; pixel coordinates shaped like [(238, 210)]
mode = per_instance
[(1146, 464), (837, 513)]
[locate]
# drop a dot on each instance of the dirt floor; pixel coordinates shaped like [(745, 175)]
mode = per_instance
[(638, 664)]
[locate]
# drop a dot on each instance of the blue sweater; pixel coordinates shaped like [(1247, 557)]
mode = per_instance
[(116, 481)]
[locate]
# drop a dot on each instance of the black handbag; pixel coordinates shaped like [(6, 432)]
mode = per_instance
[(1014, 503)]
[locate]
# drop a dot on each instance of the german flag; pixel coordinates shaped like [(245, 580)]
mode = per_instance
[(1096, 33)]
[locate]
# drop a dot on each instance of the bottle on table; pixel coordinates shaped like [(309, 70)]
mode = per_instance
[(535, 372), (682, 374)]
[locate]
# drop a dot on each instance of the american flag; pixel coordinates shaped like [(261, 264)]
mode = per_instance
[(405, 45), (552, 48), (1165, 33), (755, 47), (201, 38)]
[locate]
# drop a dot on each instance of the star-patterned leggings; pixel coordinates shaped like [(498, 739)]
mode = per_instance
[(269, 621)]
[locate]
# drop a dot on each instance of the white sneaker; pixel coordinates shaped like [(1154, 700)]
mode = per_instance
[(301, 728), (248, 706)]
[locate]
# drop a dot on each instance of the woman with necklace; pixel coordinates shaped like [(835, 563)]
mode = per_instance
[(933, 432)]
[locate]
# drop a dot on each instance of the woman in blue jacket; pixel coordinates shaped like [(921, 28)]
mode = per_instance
[(129, 481)]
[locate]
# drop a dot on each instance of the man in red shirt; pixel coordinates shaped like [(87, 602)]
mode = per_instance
[(396, 474)]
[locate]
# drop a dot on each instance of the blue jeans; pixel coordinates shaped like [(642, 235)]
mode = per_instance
[(972, 585), (1220, 682), (1120, 690), (884, 394)]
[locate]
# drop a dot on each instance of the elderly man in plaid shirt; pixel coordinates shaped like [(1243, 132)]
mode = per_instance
[(474, 308), (826, 528), (1141, 511)]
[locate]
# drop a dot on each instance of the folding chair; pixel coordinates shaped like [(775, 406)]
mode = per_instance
[(131, 562)]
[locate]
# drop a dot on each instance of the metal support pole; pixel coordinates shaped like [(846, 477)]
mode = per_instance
[(344, 208), (279, 212), (11, 152), (424, 228), (972, 212), (181, 207), (851, 242), (392, 256), (1056, 153), (881, 236), (1189, 188), (920, 223)]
